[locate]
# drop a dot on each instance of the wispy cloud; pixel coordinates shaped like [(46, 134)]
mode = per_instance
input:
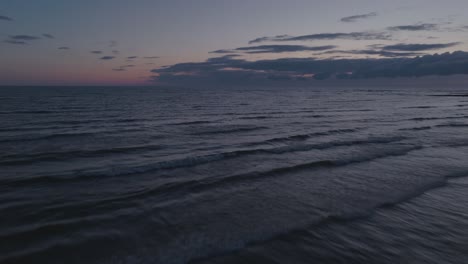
[(132, 57), (222, 51), (381, 53), (107, 58), (123, 68), (113, 43), (419, 47), (357, 17), (24, 37), (278, 49), (49, 36), (5, 18), (96, 52), (151, 57), (16, 42), (327, 36), (63, 48), (20, 39), (415, 27)]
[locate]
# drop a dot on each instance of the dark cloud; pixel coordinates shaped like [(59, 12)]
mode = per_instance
[(419, 47), (123, 68), (273, 49), (20, 39), (63, 48), (49, 36), (151, 57), (6, 18), (132, 57), (107, 58), (416, 27), (17, 42), (282, 48), (358, 17), (327, 36), (228, 70), (222, 51), (23, 37), (96, 52), (377, 52), (230, 56)]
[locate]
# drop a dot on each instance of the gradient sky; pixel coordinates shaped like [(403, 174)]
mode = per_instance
[(179, 31)]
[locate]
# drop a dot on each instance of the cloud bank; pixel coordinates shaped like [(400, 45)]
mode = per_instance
[(229, 70)]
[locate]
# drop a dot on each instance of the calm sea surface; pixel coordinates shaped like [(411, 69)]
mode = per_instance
[(290, 175)]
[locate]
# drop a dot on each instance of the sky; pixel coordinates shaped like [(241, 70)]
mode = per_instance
[(151, 42)]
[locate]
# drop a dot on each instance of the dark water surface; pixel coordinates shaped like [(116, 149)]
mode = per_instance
[(292, 175)]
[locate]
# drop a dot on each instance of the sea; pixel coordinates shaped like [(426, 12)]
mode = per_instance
[(205, 175)]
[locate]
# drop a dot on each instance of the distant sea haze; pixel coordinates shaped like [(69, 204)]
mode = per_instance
[(217, 175)]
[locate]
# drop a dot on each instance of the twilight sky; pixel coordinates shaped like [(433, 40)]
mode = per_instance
[(105, 42)]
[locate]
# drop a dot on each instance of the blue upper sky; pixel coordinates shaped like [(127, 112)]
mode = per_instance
[(130, 42)]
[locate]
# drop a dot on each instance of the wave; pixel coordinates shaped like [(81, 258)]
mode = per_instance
[(88, 121), (225, 247), (437, 118), (65, 135), (453, 125), (265, 113), (48, 137), (229, 181), (295, 232), (420, 107), (65, 155), (347, 110), (196, 186), (258, 117), (28, 112), (308, 135), (200, 122), (227, 130), (415, 128), (199, 160), (449, 95)]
